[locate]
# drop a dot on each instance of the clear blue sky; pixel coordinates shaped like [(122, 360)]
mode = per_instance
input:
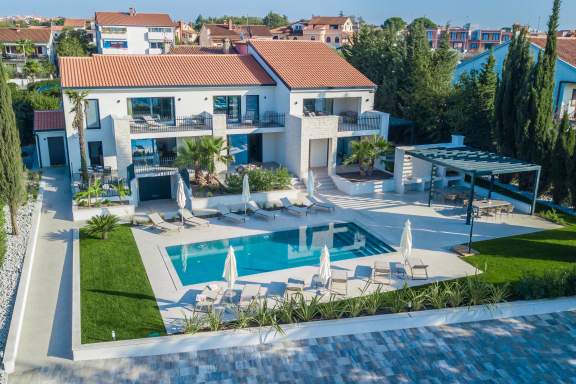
[(488, 13)]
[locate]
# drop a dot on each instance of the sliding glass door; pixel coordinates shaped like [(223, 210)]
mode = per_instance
[(158, 108), (230, 106)]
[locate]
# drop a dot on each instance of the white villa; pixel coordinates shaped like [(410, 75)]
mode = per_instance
[(132, 33), (293, 103)]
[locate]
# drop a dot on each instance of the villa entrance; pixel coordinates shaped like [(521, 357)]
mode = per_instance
[(154, 188), (319, 153)]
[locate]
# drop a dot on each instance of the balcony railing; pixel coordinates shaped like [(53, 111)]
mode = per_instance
[(266, 120), (20, 56), (151, 124), (362, 123), (155, 164)]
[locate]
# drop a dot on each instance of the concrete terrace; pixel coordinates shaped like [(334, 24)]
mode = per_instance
[(435, 230)]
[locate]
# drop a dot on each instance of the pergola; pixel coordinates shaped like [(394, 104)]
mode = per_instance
[(475, 163)]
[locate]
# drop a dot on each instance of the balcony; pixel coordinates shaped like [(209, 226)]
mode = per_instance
[(156, 165), (266, 120), (153, 124), (20, 56), (353, 123)]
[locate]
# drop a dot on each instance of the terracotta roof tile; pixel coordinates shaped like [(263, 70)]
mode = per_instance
[(136, 20), (78, 23), (196, 50), (36, 35), (255, 30), (49, 120), (309, 65), (566, 48), (221, 30), (325, 20), (118, 71)]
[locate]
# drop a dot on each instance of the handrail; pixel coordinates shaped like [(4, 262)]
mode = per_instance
[(179, 124)]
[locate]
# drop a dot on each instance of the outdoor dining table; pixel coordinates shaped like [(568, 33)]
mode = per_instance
[(485, 206)]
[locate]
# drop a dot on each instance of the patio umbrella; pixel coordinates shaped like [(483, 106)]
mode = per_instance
[(245, 191), (406, 241), (310, 183), (230, 273), (325, 271), (181, 197)]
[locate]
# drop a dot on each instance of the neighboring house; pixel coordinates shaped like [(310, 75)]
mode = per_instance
[(198, 50), (469, 39), (293, 31), (41, 38), (82, 24), (50, 137), (565, 85), (185, 33), (129, 33), (334, 31), (271, 105), (220, 35)]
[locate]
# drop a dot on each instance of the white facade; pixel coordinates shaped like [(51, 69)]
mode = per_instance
[(134, 40)]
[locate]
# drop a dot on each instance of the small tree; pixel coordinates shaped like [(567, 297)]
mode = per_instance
[(32, 69), (12, 189), (562, 160), (25, 47), (190, 155), (214, 151), (78, 101), (72, 43), (365, 153), (102, 225)]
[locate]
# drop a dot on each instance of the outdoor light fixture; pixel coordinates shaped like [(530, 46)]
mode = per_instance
[(206, 98), (179, 99), (118, 101)]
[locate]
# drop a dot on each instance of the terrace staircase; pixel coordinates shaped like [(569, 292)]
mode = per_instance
[(324, 183)]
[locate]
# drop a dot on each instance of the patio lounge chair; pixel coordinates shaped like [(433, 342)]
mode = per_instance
[(160, 224), (381, 273), (339, 282), (228, 214), (417, 265), (321, 204), (294, 287), (189, 218), (151, 121), (249, 294), (208, 297), (288, 206), (261, 212)]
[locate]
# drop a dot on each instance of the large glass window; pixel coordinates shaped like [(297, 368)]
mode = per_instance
[(318, 107), (92, 114), (159, 108), (95, 153), (228, 105), (160, 29), (153, 151), (115, 30), (253, 107), (245, 149), (157, 45)]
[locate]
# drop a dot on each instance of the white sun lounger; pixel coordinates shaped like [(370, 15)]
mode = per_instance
[(208, 297), (288, 206), (381, 273), (227, 214), (261, 212), (321, 204), (159, 223), (151, 121), (417, 265), (189, 218), (339, 282), (249, 294)]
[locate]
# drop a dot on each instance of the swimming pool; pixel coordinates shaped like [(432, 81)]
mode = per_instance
[(203, 262)]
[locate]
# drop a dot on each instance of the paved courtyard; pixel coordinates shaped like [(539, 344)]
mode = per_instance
[(532, 349)]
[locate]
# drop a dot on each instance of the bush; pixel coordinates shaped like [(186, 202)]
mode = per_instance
[(2, 234), (553, 216), (261, 180), (102, 225), (553, 283)]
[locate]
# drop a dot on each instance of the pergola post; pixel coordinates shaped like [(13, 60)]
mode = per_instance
[(491, 186), (431, 185), (470, 210), (535, 196)]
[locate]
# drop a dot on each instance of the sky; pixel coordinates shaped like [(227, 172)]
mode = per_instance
[(486, 13)]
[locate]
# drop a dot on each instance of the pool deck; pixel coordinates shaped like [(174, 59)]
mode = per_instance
[(435, 230)]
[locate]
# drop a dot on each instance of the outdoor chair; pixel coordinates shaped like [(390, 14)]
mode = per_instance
[(151, 121), (189, 218), (382, 273), (294, 287), (159, 223), (318, 204), (417, 265), (339, 282), (291, 208), (254, 208), (249, 294), (228, 214), (208, 297)]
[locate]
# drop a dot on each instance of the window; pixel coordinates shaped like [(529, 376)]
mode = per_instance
[(161, 30), (430, 35), (334, 26), (496, 36), (318, 107), (114, 30), (328, 39), (506, 38), (312, 37), (116, 44), (157, 45), (485, 36), (474, 45), (336, 39), (95, 153), (161, 108), (453, 36), (253, 107), (228, 105), (573, 99), (92, 114)]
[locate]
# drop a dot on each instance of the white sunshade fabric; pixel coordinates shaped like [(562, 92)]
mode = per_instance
[(230, 273), (181, 196), (245, 191), (406, 241), (310, 183), (325, 272)]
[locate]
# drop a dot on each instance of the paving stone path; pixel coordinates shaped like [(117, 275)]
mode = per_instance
[(534, 349)]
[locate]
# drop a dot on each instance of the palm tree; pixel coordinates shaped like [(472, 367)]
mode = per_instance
[(32, 69), (25, 47), (366, 151), (78, 101), (214, 150), (191, 155), (102, 225)]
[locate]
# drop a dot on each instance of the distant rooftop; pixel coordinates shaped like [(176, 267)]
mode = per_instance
[(134, 19), (197, 50), (326, 20), (36, 35), (566, 47), (77, 23), (49, 120)]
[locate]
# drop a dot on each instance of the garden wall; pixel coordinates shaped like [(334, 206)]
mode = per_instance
[(85, 213), (236, 200), (363, 188)]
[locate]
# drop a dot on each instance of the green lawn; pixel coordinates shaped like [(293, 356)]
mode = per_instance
[(506, 259), (116, 293)]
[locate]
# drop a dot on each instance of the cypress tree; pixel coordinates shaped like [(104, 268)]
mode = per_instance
[(485, 104), (11, 168), (562, 160)]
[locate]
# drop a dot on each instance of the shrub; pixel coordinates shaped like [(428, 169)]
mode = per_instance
[(553, 216), (2, 234), (102, 225), (554, 283), (261, 180)]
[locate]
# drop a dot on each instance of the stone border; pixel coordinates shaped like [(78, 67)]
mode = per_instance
[(76, 294), (15, 330)]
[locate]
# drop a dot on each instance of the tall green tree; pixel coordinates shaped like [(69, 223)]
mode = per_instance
[(484, 119), (395, 23), (78, 102), (562, 158), (25, 47), (32, 69), (73, 43), (274, 20), (426, 22), (12, 189)]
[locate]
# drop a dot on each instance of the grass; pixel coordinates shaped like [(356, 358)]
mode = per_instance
[(506, 260), (115, 291)]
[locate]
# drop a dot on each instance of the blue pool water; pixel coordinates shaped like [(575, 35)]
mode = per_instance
[(202, 262)]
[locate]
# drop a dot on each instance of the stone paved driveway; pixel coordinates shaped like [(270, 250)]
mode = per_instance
[(535, 349)]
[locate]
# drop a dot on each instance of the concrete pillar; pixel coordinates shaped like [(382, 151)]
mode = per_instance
[(219, 130), (384, 124), (121, 131)]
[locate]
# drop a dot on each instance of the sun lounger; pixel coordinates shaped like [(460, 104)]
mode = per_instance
[(288, 206), (208, 297), (227, 214), (151, 121), (294, 287), (339, 282), (261, 212), (318, 204), (189, 218), (417, 265), (381, 273), (159, 223), (249, 294)]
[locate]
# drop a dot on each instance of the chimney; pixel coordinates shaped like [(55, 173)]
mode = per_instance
[(230, 25), (226, 46), (132, 11), (458, 140)]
